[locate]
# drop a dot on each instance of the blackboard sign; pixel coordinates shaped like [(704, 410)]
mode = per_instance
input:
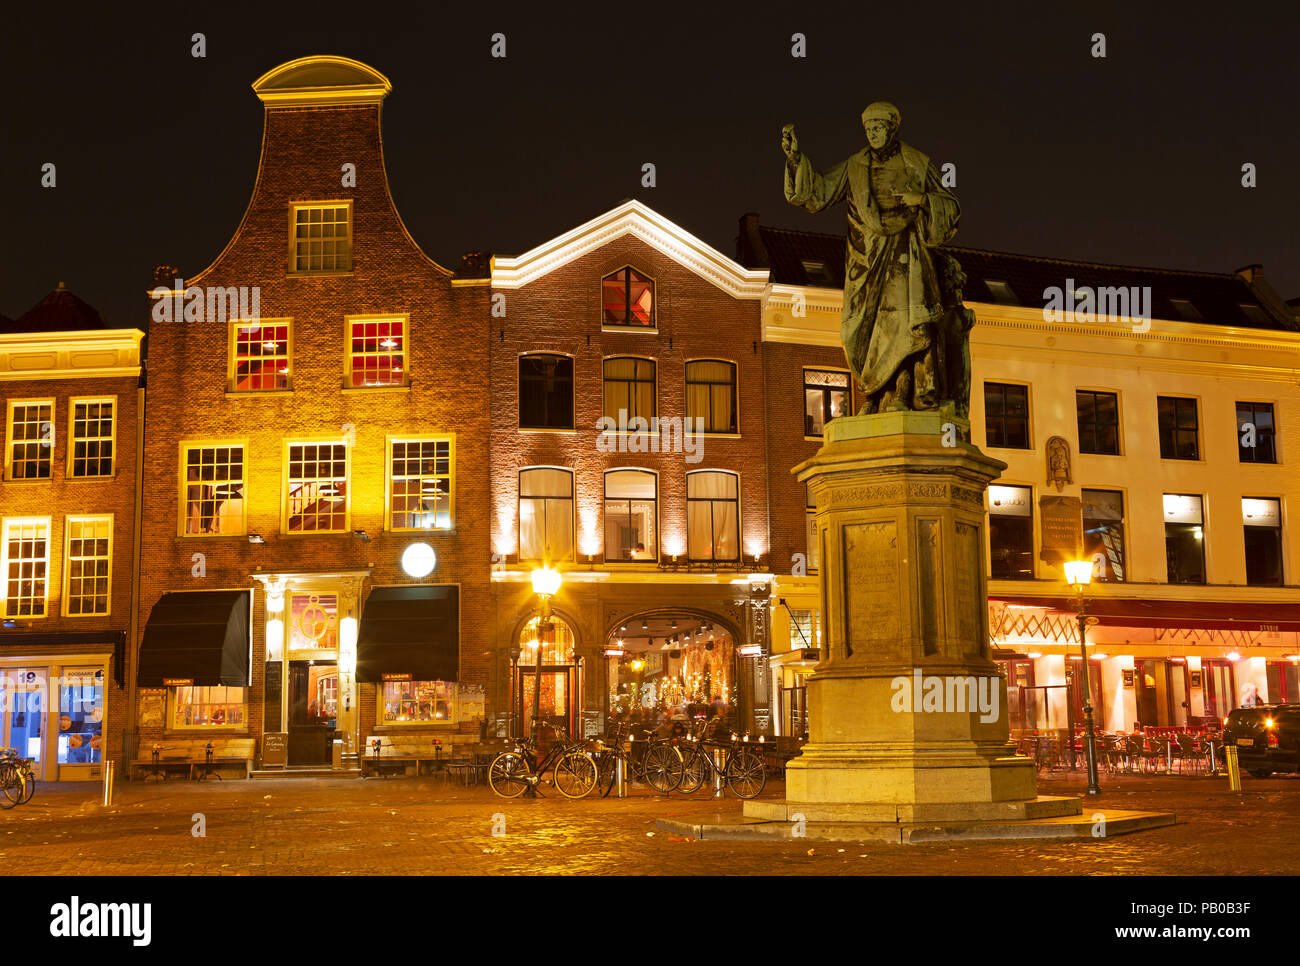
[(275, 746)]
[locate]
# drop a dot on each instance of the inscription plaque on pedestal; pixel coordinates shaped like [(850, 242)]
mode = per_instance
[(871, 592)]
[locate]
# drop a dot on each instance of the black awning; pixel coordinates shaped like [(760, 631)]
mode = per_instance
[(196, 637), (410, 631)]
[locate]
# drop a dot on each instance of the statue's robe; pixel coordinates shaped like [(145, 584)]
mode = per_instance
[(892, 300)]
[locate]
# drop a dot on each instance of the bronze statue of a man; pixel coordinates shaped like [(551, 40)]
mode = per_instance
[(903, 326)]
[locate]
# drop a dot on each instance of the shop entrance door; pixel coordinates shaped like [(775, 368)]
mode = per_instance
[(556, 705), (25, 709), (313, 711)]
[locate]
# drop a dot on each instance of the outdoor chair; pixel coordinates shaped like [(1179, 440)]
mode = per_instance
[(1190, 753)]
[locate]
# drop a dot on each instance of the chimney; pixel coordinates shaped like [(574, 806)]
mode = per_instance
[(750, 250)]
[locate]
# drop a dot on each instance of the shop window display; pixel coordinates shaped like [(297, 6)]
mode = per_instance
[(419, 702), (204, 707), (81, 716)]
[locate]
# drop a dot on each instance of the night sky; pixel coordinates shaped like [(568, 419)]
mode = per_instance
[(1133, 159)]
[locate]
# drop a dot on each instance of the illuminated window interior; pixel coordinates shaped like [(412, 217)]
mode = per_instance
[(421, 479), (628, 299), (376, 352), (214, 490), (31, 440), (88, 565), (317, 491), (92, 437), (322, 239), (26, 561), (261, 352)]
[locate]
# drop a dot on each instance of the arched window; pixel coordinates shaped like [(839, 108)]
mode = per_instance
[(713, 516), (631, 516), (629, 389), (545, 514), (628, 299), (556, 649), (711, 395)]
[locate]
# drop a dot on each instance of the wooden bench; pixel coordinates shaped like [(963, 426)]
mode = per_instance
[(402, 754), (190, 756)]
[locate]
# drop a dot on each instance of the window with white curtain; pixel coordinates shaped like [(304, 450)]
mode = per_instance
[(713, 516), (545, 514), (631, 516), (711, 394), (630, 388)]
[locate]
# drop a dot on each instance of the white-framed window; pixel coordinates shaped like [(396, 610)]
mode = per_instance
[(261, 355), (711, 394), (208, 707), (88, 566), (320, 237), (91, 429), (29, 448), (376, 351), (420, 484), (545, 513), (418, 702), (713, 516), (316, 490), (631, 516), (25, 563), (803, 629), (212, 488)]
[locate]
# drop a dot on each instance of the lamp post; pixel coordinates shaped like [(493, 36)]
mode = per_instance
[(546, 584), (1078, 573)]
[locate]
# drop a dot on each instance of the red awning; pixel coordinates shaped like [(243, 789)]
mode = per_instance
[(1210, 615)]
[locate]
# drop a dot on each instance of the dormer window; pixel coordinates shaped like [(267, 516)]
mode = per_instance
[(817, 273), (627, 297)]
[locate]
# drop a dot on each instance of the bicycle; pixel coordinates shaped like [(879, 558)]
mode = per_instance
[(573, 772), (660, 764), (17, 779), (741, 766)]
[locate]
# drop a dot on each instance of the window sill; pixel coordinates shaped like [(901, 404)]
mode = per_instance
[(1179, 459), (258, 393), (421, 531), (399, 727), (355, 390), (90, 479), (203, 536), (568, 431), (195, 731), (29, 482), (329, 274), (629, 328)]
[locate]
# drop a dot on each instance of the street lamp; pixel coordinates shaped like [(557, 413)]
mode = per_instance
[(1078, 573), (546, 584)]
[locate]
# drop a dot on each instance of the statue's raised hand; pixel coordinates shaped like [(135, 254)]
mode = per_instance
[(790, 143)]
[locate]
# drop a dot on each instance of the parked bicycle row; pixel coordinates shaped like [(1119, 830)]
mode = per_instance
[(706, 757), (17, 778)]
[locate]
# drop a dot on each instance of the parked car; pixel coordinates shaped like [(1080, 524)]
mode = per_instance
[(1267, 738)]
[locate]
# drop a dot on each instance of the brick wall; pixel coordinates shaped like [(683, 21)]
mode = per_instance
[(302, 156)]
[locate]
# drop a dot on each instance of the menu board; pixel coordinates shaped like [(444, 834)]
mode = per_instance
[(153, 707)]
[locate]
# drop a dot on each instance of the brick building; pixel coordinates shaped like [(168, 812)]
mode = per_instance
[(655, 532), (315, 553), (72, 404)]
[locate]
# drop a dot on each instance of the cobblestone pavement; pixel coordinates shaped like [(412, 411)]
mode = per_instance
[(422, 826)]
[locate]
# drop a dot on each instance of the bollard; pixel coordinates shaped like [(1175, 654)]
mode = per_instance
[(108, 782), (620, 777), (719, 762), (1234, 768)]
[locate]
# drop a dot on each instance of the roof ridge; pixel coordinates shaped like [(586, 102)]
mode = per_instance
[(1042, 259)]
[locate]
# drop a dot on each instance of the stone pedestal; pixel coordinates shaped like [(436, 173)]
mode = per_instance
[(907, 711)]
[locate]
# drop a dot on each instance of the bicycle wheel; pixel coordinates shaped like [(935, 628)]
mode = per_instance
[(746, 773), (606, 771), (14, 786), (664, 768), (508, 775), (31, 786), (575, 774), (697, 771)]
